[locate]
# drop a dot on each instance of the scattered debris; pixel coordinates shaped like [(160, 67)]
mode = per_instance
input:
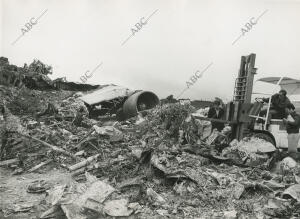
[(164, 162)]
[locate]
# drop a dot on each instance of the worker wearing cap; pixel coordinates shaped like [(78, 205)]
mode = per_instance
[(216, 112), (292, 127)]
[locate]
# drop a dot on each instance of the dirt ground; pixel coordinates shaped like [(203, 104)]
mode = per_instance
[(13, 191)]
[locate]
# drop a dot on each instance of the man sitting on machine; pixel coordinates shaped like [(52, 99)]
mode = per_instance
[(279, 103)]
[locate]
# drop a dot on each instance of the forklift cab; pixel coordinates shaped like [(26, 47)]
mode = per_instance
[(276, 126)]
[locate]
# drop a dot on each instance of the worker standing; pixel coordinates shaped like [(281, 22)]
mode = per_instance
[(292, 127), (216, 112)]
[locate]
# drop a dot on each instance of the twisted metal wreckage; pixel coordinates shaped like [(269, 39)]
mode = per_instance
[(99, 100)]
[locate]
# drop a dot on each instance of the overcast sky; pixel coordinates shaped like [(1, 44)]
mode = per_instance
[(181, 37)]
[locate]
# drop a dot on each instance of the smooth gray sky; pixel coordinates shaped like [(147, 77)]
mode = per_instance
[(183, 36)]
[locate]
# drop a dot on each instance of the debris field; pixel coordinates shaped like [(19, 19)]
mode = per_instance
[(57, 162)]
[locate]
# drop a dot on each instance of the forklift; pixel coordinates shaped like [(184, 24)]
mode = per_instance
[(243, 115)]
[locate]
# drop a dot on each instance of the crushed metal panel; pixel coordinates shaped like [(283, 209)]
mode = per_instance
[(106, 94)]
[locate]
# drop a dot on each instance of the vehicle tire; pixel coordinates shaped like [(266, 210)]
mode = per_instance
[(263, 136)]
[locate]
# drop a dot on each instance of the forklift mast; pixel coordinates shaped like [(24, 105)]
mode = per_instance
[(244, 82), (239, 109)]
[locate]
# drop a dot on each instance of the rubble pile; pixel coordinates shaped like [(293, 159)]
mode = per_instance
[(32, 76), (35, 76), (161, 163)]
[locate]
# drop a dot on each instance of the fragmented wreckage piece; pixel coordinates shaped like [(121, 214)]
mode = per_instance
[(117, 208), (267, 186), (204, 127), (76, 197), (83, 163), (221, 178), (105, 94), (105, 100), (256, 145), (293, 191), (230, 214), (113, 133), (278, 208), (250, 152), (184, 187), (155, 197), (73, 108), (38, 186), (172, 172), (36, 167), (17, 208), (9, 162), (287, 165)]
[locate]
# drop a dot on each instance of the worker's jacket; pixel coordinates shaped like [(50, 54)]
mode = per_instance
[(279, 104), (293, 127), (212, 113)]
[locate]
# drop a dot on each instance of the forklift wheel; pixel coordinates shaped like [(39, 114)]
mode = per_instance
[(263, 136)]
